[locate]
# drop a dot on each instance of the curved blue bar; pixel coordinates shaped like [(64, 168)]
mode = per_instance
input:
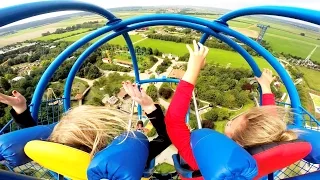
[(75, 68), (133, 57), (184, 19), (168, 80), (22, 11), (307, 15), (135, 66)]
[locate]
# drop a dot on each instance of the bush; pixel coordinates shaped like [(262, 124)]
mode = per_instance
[(217, 114), (165, 92), (152, 91)]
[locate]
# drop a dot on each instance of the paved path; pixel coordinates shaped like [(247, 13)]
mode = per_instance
[(140, 40)]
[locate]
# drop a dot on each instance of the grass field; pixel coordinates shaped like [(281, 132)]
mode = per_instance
[(316, 100), (292, 46), (215, 55), (79, 86), (311, 77), (63, 35)]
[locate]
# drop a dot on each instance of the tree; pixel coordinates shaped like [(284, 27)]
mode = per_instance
[(149, 51), (229, 100), (211, 115), (165, 92), (241, 98), (4, 84), (153, 59), (152, 76), (156, 52), (186, 31), (217, 114), (152, 91), (143, 50), (93, 72)]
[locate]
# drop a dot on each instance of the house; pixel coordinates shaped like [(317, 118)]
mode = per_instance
[(277, 84), (176, 74), (127, 63), (106, 60), (18, 78), (142, 29), (122, 94), (112, 100), (170, 56)]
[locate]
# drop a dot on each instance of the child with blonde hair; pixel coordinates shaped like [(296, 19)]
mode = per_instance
[(256, 126), (92, 128)]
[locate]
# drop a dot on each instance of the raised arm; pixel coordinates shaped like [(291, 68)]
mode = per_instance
[(20, 111), (265, 81), (177, 111), (155, 115)]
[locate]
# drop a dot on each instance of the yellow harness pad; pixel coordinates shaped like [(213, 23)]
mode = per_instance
[(64, 160)]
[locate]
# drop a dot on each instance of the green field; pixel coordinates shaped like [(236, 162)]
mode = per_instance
[(311, 77), (316, 100), (222, 57), (63, 35), (292, 46)]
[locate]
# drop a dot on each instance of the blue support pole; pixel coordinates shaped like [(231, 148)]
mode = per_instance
[(22, 11), (135, 66)]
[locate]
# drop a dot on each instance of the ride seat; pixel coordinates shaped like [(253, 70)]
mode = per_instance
[(269, 157)]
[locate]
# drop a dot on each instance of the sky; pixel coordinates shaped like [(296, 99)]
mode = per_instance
[(225, 4)]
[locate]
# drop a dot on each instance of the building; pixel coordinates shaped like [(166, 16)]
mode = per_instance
[(170, 56), (18, 78), (127, 63), (176, 74), (112, 100), (106, 60), (142, 29), (122, 94)]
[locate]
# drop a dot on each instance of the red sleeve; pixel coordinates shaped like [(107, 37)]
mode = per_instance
[(268, 99), (175, 122)]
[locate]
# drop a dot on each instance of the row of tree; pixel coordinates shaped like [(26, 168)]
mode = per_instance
[(212, 43), (90, 24), (163, 66)]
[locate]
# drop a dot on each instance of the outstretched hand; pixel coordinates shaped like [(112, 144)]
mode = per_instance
[(196, 62), (265, 80), (17, 101), (197, 56), (140, 97)]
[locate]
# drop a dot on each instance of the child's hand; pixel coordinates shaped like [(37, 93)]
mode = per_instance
[(17, 101), (196, 62), (197, 57), (140, 97), (265, 80)]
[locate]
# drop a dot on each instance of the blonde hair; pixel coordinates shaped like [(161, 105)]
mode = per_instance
[(89, 128), (263, 125)]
